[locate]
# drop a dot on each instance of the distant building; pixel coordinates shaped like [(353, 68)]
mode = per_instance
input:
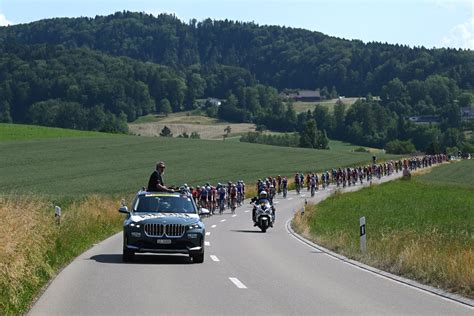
[(424, 119), (467, 113), (303, 95), (214, 101)]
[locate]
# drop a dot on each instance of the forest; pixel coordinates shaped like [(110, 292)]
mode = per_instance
[(99, 73)]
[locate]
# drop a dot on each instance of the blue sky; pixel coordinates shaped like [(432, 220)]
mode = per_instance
[(429, 23)]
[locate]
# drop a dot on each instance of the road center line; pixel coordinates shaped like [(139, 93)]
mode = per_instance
[(207, 243), (247, 211), (208, 233), (213, 226), (237, 283), (234, 215), (289, 199), (214, 258), (223, 220)]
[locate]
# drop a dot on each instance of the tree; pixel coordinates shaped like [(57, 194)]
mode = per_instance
[(166, 132), (165, 107), (308, 135), (195, 135), (322, 141)]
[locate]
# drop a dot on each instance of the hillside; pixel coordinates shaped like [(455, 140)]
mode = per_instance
[(72, 166), (279, 56), (99, 73)]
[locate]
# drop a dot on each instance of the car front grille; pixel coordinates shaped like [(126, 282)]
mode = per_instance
[(168, 230)]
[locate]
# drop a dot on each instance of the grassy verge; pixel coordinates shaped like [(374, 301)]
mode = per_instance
[(420, 229), (34, 247)]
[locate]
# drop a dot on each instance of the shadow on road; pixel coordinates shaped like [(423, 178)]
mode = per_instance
[(247, 231), (143, 259)]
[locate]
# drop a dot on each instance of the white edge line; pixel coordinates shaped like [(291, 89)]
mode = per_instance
[(234, 215), (213, 226), (207, 243), (383, 274), (208, 233), (223, 220), (237, 283)]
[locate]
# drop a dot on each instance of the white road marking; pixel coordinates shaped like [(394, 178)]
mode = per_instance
[(303, 195), (208, 233), (237, 283), (207, 243), (276, 202), (247, 211), (214, 258), (213, 226), (289, 199), (234, 215), (223, 220)]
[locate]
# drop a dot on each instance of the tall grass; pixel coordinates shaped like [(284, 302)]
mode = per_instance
[(420, 230), (34, 247)]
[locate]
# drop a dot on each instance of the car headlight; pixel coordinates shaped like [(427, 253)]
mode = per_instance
[(134, 225), (193, 226)]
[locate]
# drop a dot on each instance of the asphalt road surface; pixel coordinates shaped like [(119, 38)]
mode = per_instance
[(244, 272)]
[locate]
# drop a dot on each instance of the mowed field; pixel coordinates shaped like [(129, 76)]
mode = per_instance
[(329, 104), (186, 122), (421, 228), (122, 164)]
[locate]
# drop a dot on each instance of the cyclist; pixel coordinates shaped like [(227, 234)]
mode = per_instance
[(284, 184), (233, 197)]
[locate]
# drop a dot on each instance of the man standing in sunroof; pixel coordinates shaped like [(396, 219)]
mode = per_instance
[(155, 184)]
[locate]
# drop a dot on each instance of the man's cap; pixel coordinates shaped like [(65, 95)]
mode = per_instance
[(160, 164)]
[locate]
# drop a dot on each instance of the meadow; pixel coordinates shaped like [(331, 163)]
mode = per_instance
[(16, 132), (122, 164), (420, 228), (301, 106)]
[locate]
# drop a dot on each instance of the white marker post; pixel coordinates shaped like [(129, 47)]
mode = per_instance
[(362, 234), (57, 214)]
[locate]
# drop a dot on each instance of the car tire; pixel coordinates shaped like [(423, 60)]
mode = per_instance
[(198, 258), (127, 255)]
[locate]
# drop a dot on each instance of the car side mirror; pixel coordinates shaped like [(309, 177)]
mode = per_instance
[(203, 211), (123, 209)]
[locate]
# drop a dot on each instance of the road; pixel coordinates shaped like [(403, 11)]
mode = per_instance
[(244, 272)]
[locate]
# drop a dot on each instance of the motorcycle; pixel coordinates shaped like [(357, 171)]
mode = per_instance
[(264, 216)]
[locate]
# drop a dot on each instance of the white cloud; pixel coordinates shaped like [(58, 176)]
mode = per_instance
[(4, 21), (461, 36)]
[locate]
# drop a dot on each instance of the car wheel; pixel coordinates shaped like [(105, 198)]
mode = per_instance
[(198, 258), (127, 255)]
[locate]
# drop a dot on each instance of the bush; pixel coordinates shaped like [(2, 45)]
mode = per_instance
[(400, 147), (361, 150)]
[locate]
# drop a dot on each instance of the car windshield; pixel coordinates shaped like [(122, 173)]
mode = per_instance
[(154, 203)]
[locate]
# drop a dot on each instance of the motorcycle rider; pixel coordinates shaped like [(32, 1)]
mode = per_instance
[(262, 198)]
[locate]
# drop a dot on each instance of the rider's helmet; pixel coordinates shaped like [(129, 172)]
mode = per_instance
[(198, 187), (263, 194), (233, 184)]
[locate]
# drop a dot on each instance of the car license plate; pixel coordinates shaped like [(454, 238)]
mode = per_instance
[(163, 241)]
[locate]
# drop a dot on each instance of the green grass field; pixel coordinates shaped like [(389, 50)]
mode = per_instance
[(422, 228), (329, 104), (122, 164), (16, 132)]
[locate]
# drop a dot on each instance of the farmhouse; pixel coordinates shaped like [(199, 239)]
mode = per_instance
[(303, 95), (467, 113)]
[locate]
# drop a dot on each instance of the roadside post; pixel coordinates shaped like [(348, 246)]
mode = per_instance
[(57, 214), (362, 234)]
